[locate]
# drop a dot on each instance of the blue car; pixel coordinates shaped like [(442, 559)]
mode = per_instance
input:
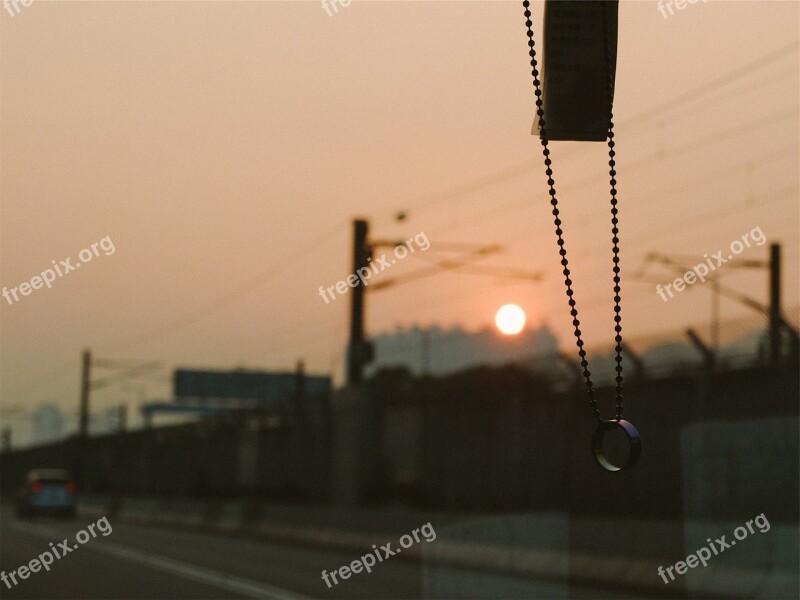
[(48, 492)]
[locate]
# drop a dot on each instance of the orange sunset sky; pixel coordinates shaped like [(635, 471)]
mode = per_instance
[(225, 147)]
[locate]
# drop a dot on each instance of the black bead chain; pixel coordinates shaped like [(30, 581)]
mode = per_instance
[(614, 211), (559, 232)]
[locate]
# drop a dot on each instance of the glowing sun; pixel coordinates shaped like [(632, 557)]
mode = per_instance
[(510, 319)]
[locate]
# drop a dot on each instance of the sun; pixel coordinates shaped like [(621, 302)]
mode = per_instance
[(510, 319)]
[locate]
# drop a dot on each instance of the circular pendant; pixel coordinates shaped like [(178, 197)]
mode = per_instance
[(634, 444)]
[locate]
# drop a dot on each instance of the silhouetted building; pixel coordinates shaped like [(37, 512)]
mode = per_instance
[(48, 424), (436, 351)]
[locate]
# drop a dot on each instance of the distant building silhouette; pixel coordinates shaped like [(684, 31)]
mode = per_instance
[(48, 424), (436, 351)]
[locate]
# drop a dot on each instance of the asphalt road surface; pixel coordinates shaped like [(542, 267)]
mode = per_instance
[(141, 562)]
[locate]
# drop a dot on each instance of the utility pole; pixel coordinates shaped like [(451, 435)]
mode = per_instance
[(300, 394), (772, 310), (775, 304), (83, 428), (359, 350), (301, 440), (715, 298), (300, 380), (83, 420)]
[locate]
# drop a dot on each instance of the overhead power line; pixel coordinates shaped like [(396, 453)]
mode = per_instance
[(460, 192), (716, 83), (523, 203), (222, 302)]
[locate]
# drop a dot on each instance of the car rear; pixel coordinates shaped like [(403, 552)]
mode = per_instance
[(48, 492)]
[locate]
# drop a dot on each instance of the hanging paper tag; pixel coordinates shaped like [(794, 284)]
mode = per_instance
[(575, 72)]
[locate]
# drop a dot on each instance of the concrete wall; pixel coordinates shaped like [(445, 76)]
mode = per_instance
[(741, 468)]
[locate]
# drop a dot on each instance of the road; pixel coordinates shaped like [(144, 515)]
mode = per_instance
[(144, 561), (141, 562)]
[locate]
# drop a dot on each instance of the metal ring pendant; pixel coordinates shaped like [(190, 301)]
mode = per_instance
[(634, 444)]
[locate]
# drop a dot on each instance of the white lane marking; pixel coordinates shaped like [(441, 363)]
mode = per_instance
[(246, 587)]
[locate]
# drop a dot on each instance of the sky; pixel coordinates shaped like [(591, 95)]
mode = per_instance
[(224, 148)]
